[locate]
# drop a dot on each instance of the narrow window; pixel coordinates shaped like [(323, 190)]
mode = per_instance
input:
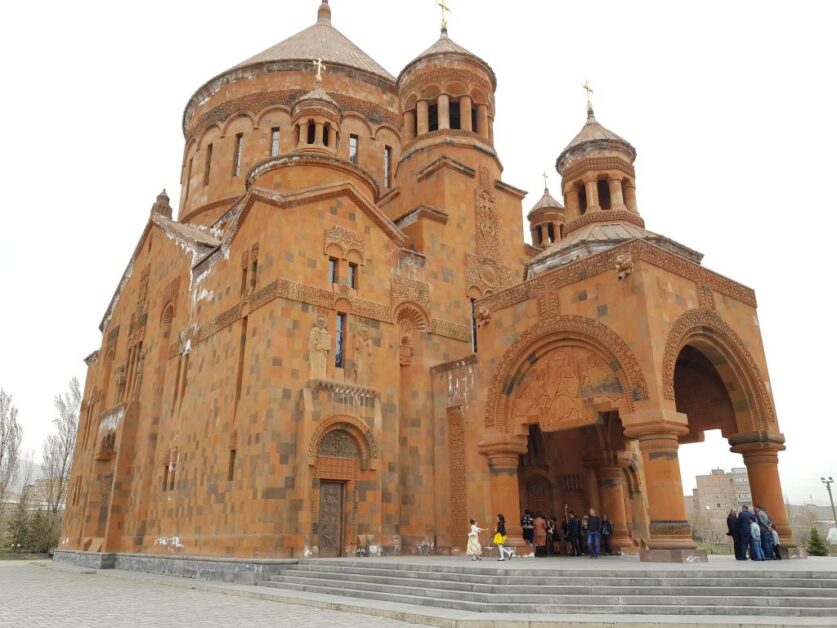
[(474, 325), (171, 475), (243, 279), (274, 141), (189, 178), (177, 381), (387, 166), (353, 278), (239, 147), (353, 148), (231, 467), (455, 116), (433, 118), (254, 267), (312, 131), (184, 378), (582, 199), (166, 477), (340, 348), (604, 194), (326, 131), (332, 270), (550, 231), (208, 165), (242, 345), (474, 117)]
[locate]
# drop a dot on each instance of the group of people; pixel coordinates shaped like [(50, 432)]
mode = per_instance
[(589, 535), (753, 534)]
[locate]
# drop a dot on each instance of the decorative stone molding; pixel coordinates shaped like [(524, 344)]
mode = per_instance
[(709, 325), (487, 274), (603, 215), (624, 265), (451, 330), (360, 433), (405, 289), (590, 332), (345, 239), (598, 163)]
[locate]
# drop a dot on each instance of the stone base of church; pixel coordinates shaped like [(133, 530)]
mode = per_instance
[(793, 552), (673, 556), (238, 571)]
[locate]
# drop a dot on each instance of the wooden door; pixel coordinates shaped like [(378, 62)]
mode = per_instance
[(331, 519)]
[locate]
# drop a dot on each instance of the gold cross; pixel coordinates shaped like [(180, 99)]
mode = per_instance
[(318, 63), (445, 11), (590, 92), (545, 180)]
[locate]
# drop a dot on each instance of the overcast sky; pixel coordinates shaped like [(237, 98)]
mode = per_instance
[(731, 106)]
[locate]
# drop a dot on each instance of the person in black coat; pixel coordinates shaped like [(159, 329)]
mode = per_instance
[(745, 518), (732, 531), (574, 534)]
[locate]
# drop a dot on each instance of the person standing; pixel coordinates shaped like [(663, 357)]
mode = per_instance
[(607, 534), (776, 542), (500, 538), (474, 549), (574, 534), (732, 531), (755, 541), (763, 519), (526, 522), (594, 534), (539, 535), (745, 518), (556, 536)]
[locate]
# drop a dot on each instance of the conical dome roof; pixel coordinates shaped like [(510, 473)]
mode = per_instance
[(445, 45), (547, 202), (592, 136), (320, 41)]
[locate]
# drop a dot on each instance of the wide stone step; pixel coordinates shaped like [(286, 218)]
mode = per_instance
[(708, 579), (583, 606), (538, 597), (514, 588)]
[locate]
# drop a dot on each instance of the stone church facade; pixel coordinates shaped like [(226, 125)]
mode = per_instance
[(342, 340)]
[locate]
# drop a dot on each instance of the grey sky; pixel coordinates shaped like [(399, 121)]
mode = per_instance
[(729, 104)]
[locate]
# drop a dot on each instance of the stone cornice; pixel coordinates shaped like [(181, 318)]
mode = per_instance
[(604, 215)]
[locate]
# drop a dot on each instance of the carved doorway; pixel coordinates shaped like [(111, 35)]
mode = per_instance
[(331, 519)]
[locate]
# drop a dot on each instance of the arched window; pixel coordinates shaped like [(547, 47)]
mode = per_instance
[(455, 115), (582, 200), (604, 193), (433, 117), (312, 131)]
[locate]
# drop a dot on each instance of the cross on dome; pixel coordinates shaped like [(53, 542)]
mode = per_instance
[(445, 10)]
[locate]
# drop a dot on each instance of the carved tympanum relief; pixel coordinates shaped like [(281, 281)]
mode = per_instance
[(559, 391)]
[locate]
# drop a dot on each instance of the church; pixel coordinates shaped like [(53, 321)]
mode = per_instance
[(340, 342)]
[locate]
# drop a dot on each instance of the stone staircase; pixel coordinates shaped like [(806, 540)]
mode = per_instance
[(567, 591)]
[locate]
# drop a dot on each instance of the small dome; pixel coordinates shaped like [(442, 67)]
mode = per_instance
[(593, 136), (547, 201), (318, 93), (445, 46), (319, 41)]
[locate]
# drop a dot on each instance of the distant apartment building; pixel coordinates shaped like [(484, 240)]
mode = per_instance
[(711, 501)]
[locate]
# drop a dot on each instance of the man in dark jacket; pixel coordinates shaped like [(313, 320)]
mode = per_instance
[(732, 531), (574, 534), (607, 533), (745, 518), (594, 534)]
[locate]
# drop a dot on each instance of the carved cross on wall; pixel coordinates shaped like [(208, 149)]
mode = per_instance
[(318, 63)]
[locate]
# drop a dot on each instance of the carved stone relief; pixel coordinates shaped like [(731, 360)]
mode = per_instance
[(319, 344), (338, 444)]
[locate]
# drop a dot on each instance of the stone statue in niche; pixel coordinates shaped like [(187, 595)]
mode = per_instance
[(319, 345), (362, 356), (561, 388)]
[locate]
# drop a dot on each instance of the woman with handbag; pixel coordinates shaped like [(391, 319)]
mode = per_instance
[(500, 538)]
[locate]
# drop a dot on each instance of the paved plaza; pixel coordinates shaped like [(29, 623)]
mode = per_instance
[(32, 596)]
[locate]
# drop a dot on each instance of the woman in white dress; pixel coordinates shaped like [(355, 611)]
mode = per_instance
[(474, 549)]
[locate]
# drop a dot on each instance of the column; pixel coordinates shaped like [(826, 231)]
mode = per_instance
[(465, 104), (332, 138), (616, 200), (482, 121), (303, 133), (670, 533), (592, 190), (612, 497), (318, 133), (408, 126), (503, 452), (762, 462), (629, 193), (444, 111), (423, 122), (571, 200)]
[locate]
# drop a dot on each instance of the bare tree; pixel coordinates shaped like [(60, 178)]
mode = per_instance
[(11, 434), (59, 447)]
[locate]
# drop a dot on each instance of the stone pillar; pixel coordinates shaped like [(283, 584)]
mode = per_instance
[(409, 125), (612, 496), (571, 199), (303, 133), (332, 138), (465, 122), (318, 133), (591, 187), (762, 462), (670, 537), (444, 111), (616, 200), (423, 113), (482, 121), (503, 452), (629, 193)]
